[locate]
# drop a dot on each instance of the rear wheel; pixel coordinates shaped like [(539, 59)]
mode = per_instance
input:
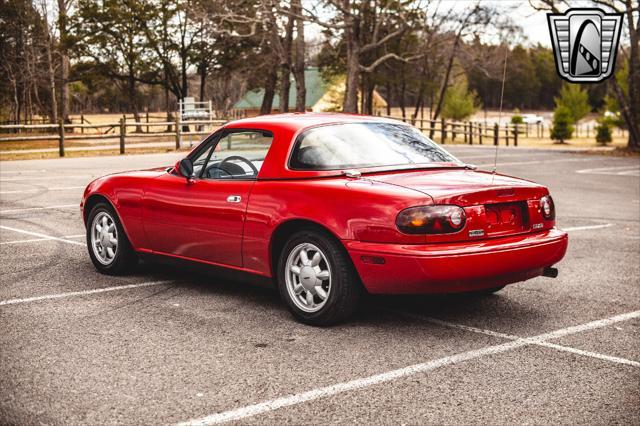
[(109, 247), (316, 279)]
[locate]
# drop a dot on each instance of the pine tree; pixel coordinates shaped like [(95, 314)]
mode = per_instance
[(562, 128)]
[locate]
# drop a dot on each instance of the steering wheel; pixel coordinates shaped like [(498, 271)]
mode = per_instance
[(244, 160)]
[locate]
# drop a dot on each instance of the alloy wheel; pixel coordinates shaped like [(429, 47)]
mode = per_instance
[(308, 277)]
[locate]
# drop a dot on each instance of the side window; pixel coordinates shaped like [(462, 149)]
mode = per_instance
[(236, 155), (200, 159)]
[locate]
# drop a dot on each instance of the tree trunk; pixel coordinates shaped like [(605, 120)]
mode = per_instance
[(133, 101), (367, 94), (203, 80), (185, 82), (285, 65), (269, 93), (403, 88), (350, 103), (285, 87), (634, 80), (53, 110), (388, 85), (298, 63), (64, 55), (167, 108), (420, 100)]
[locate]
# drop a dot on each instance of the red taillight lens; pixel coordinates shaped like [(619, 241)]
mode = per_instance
[(431, 220), (547, 208)]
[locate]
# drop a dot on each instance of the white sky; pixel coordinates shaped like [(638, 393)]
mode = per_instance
[(533, 23)]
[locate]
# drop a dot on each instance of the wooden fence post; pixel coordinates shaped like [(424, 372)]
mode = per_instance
[(471, 133), (480, 130), (506, 133), (178, 130), (82, 122), (147, 120), (443, 132), (123, 131), (61, 137), (464, 130), (515, 135), (496, 135)]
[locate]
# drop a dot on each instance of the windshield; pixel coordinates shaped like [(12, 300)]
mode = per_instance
[(362, 145)]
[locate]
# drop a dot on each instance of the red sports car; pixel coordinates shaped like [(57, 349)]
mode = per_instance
[(328, 206)]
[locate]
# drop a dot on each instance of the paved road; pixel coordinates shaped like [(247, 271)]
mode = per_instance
[(172, 346)]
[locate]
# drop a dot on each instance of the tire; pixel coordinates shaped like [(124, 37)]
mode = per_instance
[(124, 258), (334, 274)]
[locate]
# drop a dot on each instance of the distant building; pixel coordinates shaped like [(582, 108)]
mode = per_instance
[(322, 96)]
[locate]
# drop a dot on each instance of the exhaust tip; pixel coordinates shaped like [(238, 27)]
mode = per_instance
[(550, 272)]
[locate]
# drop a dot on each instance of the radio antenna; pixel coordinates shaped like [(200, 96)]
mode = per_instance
[(504, 75)]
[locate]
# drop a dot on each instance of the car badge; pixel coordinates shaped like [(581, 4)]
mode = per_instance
[(476, 232), (585, 42), (537, 225)]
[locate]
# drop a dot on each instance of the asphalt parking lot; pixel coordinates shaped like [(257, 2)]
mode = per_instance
[(167, 346)]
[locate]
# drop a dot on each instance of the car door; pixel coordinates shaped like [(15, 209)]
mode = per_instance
[(203, 219)]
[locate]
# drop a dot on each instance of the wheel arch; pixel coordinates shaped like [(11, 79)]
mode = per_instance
[(91, 202), (95, 199), (282, 233)]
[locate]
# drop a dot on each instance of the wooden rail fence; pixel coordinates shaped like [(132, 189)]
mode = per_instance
[(441, 130), (176, 129), (471, 132)]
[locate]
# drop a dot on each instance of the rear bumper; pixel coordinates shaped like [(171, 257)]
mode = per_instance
[(458, 267)]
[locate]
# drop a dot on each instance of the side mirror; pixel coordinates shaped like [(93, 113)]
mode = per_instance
[(186, 168)]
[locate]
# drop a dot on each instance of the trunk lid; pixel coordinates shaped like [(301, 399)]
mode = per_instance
[(495, 205)]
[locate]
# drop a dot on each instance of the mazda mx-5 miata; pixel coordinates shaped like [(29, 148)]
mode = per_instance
[(328, 207)]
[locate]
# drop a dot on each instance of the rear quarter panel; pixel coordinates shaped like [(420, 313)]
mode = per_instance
[(349, 209)]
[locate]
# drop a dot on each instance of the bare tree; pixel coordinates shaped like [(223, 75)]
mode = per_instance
[(63, 31), (299, 56), (53, 111), (366, 28)]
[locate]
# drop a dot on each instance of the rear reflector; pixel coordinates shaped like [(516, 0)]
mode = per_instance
[(375, 260)]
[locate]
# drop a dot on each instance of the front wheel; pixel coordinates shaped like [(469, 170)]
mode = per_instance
[(109, 247), (317, 280)]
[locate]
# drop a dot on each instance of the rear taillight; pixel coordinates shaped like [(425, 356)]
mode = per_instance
[(547, 208), (431, 220)]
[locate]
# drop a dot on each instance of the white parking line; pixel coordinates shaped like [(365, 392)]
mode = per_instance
[(43, 236), (583, 228), (517, 163), (80, 293), (33, 240), (631, 170), (18, 179), (274, 404), (62, 188), (597, 355), (562, 348), (62, 206), (20, 172)]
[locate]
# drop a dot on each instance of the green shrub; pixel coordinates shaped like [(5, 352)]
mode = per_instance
[(516, 118), (459, 102), (575, 99), (562, 128), (603, 132)]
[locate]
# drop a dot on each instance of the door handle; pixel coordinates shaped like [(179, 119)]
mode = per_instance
[(233, 199)]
